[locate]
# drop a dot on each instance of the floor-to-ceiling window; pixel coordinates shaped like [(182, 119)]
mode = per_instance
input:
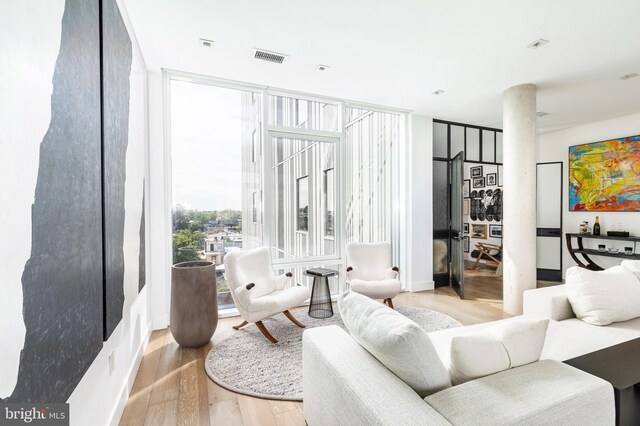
[(216, 174), (302, 176)]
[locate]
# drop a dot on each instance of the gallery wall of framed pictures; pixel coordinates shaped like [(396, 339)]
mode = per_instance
[(482, 206)]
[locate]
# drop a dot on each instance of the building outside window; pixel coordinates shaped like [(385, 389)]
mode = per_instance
[(329, 207)]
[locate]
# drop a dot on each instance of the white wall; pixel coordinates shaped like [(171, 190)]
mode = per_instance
[(554, 146), (419, 230)]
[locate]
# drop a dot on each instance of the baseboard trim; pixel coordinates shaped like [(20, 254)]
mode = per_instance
[(131, 377), (422, 286)]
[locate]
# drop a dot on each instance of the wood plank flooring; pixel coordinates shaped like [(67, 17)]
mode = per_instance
[(172, 388)]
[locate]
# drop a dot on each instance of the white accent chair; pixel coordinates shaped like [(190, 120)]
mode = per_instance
[(257, 292), (370, 271)]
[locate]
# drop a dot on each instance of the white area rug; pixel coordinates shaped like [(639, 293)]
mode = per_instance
[(246, 362)]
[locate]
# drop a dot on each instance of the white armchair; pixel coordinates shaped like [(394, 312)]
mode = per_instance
[(370, 271), (257, 292)]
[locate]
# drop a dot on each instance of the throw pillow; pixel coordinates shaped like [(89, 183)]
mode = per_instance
[(398, 343), (603, 297), (633, 266), (500, 347)]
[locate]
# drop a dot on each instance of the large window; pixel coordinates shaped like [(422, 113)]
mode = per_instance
[(217, 175), (299, 202), (315, 176), (372, 141)]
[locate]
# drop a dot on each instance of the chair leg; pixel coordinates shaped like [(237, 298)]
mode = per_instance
[(390, 303), (293, 319), (264, 331), (239, 326)]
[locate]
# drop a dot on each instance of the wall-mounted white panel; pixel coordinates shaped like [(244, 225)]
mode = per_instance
[(549, 193), (548, 252), (29, 45)]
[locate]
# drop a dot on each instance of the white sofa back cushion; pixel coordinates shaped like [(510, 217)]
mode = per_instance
[(633, 266), (398, 343), (603, 297), (500, 347)]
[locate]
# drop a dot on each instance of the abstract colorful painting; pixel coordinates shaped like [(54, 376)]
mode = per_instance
[(605, 176)]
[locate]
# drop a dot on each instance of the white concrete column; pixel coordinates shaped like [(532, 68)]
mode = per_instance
[(519, 203)]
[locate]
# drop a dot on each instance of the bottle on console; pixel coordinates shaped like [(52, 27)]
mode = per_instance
[(596, 227)]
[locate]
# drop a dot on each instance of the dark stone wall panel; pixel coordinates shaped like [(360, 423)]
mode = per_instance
[(116, 68), (62, 281)]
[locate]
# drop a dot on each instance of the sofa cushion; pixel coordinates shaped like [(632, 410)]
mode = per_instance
[(542, 393), (398, 343), (497, 348), (603, 297)]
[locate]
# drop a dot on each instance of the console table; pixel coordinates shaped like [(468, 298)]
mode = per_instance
[(585, 253), (619, 366)]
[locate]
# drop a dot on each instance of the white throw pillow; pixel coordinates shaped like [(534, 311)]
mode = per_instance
[(633, 266), (603, 297), (500, 347), (396, 341)]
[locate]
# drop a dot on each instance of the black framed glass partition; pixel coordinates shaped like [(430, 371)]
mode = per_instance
[(482, 145)]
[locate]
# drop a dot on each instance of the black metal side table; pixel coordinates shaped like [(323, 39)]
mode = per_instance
[(320, 303)]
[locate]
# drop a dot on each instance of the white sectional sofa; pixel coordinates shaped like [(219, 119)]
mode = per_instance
[(345, 385)]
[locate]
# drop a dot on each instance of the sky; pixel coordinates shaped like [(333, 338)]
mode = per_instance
[(206, 127)]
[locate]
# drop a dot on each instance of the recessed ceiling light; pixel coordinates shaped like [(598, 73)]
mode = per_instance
[(538, 43), (205, 42), (541, 113), (629, 76), (438, 92), (322, 67)]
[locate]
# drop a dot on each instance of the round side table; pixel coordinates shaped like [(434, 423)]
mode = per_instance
[(320, 303)]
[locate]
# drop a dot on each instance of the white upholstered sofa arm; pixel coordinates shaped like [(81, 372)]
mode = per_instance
[(345, 385), (548, 302)]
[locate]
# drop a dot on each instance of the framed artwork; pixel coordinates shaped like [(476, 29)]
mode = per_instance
[(479, 231), (492, 179), (466, 207), (500, 175), (605, 176), (476, 172), (478, 182), (466, 188), (465, 228), (465, 244), (495, 231)]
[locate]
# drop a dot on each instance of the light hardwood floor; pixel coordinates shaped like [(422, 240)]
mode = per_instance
[(172, 388)]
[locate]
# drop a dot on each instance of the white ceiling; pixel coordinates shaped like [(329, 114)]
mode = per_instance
[(396, 53)]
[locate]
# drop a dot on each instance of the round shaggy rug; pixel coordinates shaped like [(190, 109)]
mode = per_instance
[(246, 362)]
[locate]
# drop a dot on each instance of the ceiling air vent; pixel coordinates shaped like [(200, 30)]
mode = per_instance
[(265, 55)]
